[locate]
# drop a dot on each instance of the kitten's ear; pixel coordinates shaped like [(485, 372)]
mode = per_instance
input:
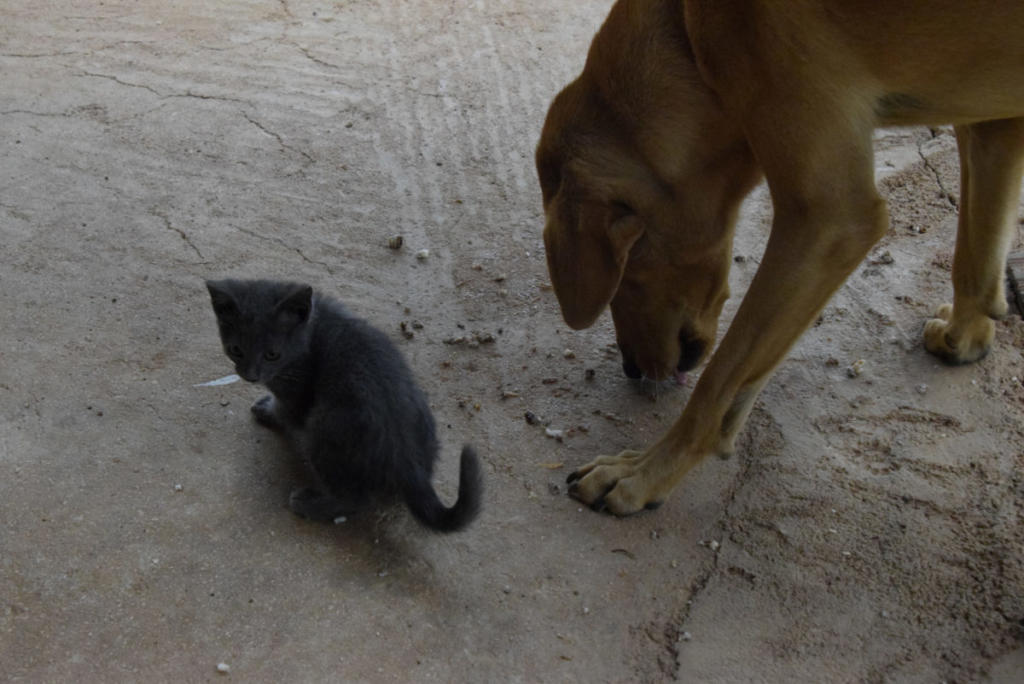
[(223, 301), (296, 306)]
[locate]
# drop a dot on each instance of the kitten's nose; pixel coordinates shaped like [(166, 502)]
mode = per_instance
[(249, 374)]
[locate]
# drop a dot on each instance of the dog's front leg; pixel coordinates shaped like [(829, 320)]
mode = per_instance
[(818, 238)]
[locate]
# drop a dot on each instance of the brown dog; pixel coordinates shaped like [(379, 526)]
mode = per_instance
[(681, 108)]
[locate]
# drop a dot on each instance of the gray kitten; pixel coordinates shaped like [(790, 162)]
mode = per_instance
[(343, 395)]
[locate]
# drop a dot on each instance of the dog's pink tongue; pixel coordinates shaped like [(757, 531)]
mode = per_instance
[(681, 378)]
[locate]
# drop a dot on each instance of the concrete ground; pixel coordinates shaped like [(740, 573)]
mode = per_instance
[(871, 527)]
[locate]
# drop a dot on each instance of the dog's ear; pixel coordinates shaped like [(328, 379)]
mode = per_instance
[(587, 257)]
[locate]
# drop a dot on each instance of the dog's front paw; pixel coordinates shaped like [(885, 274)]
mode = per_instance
[(957, 343), (617, 484)]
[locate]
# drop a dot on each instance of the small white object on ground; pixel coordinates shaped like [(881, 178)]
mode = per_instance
[(340, 519), (226, 380), (178, 487), (554, 434), (423, 254), (713, 544), (223, 668)]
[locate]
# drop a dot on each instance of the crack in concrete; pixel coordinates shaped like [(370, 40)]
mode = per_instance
[(278, 138), (182, 234), (949, 197), (1016, 289), (119, 43), (424, 93), (674, 630), (316, 60), (31, 113), (279, 241), (117, 80), (73, 114), (305, 52), (137, 115), (234, 46), (27, 55), (198, 96), (188, 93)]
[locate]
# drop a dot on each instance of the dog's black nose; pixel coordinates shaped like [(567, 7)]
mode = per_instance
[(630, 368), (690, 353)]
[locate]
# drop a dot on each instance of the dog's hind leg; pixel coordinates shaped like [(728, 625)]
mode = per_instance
[(991, 166)]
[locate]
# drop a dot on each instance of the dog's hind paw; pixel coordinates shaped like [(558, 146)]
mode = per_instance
[(956, 342)]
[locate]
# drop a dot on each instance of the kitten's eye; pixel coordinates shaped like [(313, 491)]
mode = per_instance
[(235, 352), (272, 355)]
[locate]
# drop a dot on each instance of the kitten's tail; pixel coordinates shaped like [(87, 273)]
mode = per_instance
[(428, 509)]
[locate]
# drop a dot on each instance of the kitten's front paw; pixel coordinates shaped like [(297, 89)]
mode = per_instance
[(266, 414), (314, 505), (301, 500)]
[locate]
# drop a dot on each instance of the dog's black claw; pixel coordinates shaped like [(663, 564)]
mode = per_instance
[(599, 504), (653, 505), (574, 476)]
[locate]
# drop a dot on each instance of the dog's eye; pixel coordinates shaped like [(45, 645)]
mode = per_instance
[(235, 352), (271, 355), (620, 209)]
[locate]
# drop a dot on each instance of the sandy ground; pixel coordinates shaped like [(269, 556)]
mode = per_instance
[(871, 528)]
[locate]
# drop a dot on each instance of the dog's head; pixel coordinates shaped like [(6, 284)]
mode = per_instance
[(642, 173)]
